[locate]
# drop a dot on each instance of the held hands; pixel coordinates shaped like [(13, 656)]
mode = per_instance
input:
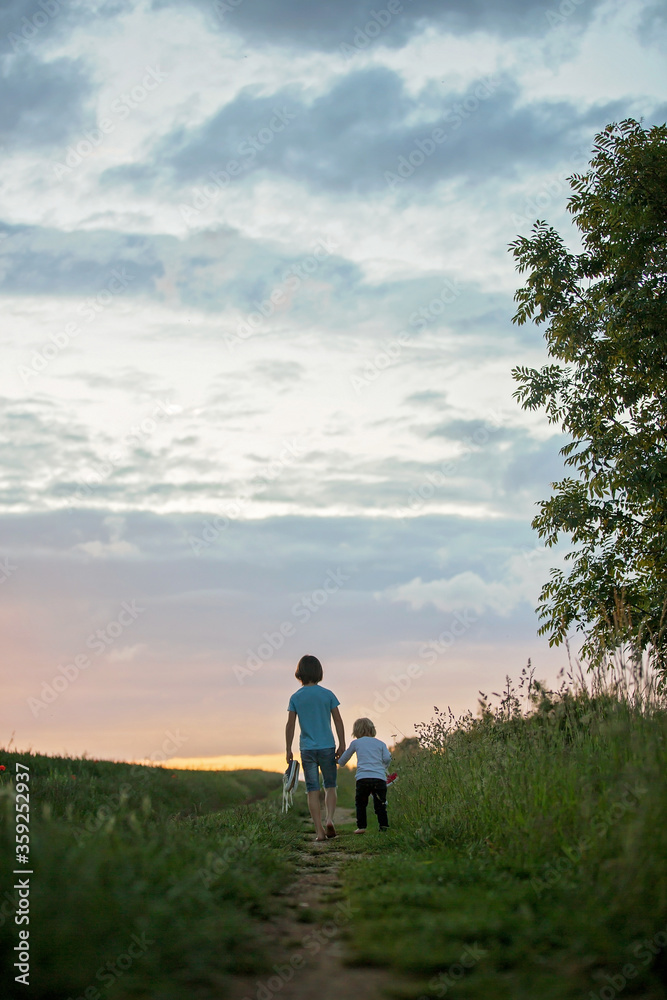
[(340, 751)]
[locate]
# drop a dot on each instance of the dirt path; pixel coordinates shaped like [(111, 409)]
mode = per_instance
[(306, 939)]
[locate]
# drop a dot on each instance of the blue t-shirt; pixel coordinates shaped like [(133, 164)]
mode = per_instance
[(313, 705)]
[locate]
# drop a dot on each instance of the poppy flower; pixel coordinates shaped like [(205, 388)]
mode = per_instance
[(2, 767)]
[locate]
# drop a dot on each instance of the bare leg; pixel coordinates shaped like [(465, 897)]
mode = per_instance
[(330, 798), (316, 813)]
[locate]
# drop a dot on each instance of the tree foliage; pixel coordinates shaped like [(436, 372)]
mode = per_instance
[(605, 316)]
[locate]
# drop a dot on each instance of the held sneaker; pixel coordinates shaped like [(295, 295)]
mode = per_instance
[(391, 778), (290, 781)]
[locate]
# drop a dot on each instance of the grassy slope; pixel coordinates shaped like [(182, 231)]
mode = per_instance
[(527, 857), (121, 850)]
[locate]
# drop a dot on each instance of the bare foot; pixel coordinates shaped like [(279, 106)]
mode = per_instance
[(360, 831), (331, 830), (320, 840)]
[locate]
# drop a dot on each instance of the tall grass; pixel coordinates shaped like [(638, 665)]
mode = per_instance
[(531, 780), (537, 829), (142, 866)]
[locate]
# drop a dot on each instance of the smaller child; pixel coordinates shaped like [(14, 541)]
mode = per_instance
[(372, 759)]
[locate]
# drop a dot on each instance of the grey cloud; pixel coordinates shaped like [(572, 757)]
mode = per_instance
[(40, 261), (427, 398), (293, 551), (469, 431), (355, 138), (280, 372), (41, 103), (653, 24), (134, 381), (38, 444), (301, 23), (26, 25), (209, 270), (535, 465), (201, 615), (212, 270)]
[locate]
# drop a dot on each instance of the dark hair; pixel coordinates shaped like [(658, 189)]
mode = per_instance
[(309, 670)]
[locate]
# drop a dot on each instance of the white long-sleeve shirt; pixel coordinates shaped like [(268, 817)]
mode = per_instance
[(372, 757)]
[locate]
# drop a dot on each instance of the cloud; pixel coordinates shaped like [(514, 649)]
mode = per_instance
[(368, 134), (41, 103), (29, 25), (36, 260), (206, 270), (465, 590), (199, 616), (126, 653), (302, 24)]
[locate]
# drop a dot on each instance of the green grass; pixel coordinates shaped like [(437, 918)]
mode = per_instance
[(175, 868), (527, 855)]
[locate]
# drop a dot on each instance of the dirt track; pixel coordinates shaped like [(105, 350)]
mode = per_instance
[(310, 955)]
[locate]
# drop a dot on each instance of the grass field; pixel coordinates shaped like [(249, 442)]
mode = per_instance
[(528, 855), (148, 883)]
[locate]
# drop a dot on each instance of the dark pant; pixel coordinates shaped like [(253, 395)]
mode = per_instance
[(378, 789)]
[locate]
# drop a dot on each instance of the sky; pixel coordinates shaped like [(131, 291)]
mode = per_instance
[(257, 348)]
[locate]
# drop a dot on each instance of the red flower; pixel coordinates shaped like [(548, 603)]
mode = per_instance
[(73, 777), (2, 767)]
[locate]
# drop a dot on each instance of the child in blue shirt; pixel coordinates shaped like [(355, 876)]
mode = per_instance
[(372, 759), (315, 707)]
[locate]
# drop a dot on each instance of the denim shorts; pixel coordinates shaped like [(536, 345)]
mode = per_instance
[(325, 760)]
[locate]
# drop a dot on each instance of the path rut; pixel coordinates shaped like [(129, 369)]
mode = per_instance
[(309, 961)]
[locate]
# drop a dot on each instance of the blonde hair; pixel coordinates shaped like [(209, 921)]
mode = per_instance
[(363, 727)]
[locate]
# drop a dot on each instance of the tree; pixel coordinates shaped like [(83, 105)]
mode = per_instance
[(605, 311)]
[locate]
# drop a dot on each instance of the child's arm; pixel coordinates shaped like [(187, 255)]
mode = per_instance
[(340, 730), (344, 757), (289, 735)]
